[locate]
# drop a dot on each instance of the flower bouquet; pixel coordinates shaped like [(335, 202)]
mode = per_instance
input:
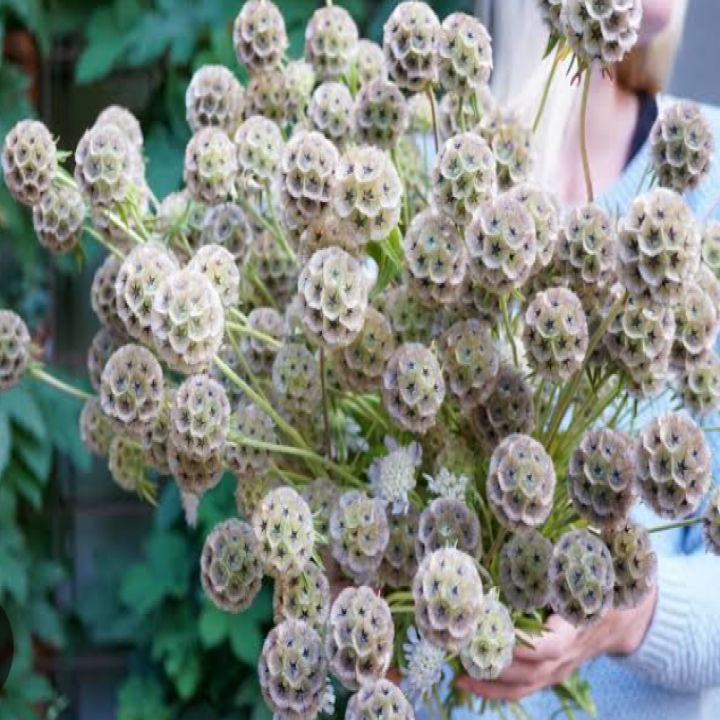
[(428, 378)]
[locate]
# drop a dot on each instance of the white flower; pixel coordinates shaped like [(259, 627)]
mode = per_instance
[(448, 485), (392, 477), (424, 665)]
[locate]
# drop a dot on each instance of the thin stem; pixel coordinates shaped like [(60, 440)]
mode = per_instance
[(508, 329), (676, 525), (546, 91), (95, 235), (280, 236), (433, 110), (118, 223), (245, 330), (326, 415), (583, 136), (40, 374), (710, 429)]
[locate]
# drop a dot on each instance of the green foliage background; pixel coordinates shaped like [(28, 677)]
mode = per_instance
[(187, 660)]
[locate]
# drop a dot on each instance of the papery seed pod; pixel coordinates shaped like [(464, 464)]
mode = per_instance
[(634, 562), (128, 124), (236, 363), (448, 485), (333, 293), (253, 423), (659, 251), (601, 477), (251, 490), (392, 476), (673, 468), (450, 111), (470, 361), (103, 294), (521, 483), (299, 81), (327, 230), (126, 462), (210, 166), (155, 439), (711, 523), (283, 526), (359, 640), (550, 11), (359, 534), (267, 94), (511, 143), (200, 417), (331, 38), (448, 596), (524, 568), (369, 62), (131, 389), (330, 112), (464, 51), (381, 700), (296, 379), (29, 161), (410, 320), (413, 387), (96, 431), (259, 353), (699, 384), (219, 267), (277, 272), (305, 597), (601, 35), (227, 226), (293, 671), (259, 36), (193, 475), (188, 321), (399, 563), (180, 221), (555, 335), (260, 147), (502, 244), (230, 569), (141, 274), (14, 349), (381, 114), (682, 147), (447, 523), (581, 578), (710, 249), (424, 664), (509, 409), (58, 218), (104, 343), (367, 192), (214, 98), (410, 41), (419, 115), (491, 649)]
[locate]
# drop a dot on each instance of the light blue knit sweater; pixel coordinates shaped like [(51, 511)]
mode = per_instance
[(675, 674)]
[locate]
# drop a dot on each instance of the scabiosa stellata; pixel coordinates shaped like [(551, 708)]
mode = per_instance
[(303, 597), (381, 114), (447, 522), (331, 110), (210, 166), (381, 700), (14, 349), (214, 98), (424, 664), (511, 143), (370, 62), (296, 379), (331, 38), (699, 384), (58, 218), (260, 147), (399, 563), (711, 523), (464, 51), (544, 210), (393, 476), (218, 265), (259, 36), (524, 571), (96, 431)]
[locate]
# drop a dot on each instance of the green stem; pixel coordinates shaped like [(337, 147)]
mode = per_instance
[(676, 525), (546, 91), (95, 235), (583, 136), (245, 330), (326, 414), (508, 329), (40, 374), (279, 235), (433, 110), (118, 223)]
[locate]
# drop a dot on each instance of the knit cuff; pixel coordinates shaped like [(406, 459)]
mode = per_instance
[(667, 631)]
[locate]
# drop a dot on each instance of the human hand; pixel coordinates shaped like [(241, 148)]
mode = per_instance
[(561, 649)]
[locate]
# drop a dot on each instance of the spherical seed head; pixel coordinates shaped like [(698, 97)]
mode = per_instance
[(463, 176), (544, 210), (413, 387), (296, 379), (634, 562), (188, 321), (14, 349), (436, 258), (464, 51), (293, 671), (156, 437), (268, 94), (210, 166), (321, 495), (420, 115), (550, 11), (226, 225), (331, 39), (259, 146), (449, 111), (392, 476), (673, 465), (219, 266), (601, 34), (29, 161), (127, 123), (524, 571), (103, 295), (299, 81), (275, 269), (214, 98), (555, 334), (470, 361), (448, 596), (699, 384), (659, 249), (682, 147), (424, 665), (126, 462), (581, 578), (333, 291), (259, 36), (491, 649), (305, 597), (359, 534), (411, 321), (250, 491), (711, 246), (502, 244), (131, 389), (283, 526), (259, 354), (58, 218), (381, 700), (370, 62), (179, 222), (711, 523), (511, 143), (104, 343), (138, 280), (251, 422), (359, 640), (95, 429), (447, 522), (381, 114), (399, 563), (230, 569), (601, 477), (200, 417), (447, 484), (194, 475), (410, 44), (331, 110), (327, 230)]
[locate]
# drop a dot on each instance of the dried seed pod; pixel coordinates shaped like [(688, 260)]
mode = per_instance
[(29, 161), (128, 124), (179, 222), (699, 384), (544, 210), (210, 166), (260, 147), (524, 571), (711, 523), (296, 379), (381, 700), (392, 476), (214, 98), (464, 51), (331, 42), (411, 321), (268, 94), (299, 81), (399, 563), (327, 230), (251, 422), (450, 111), (305, 597), (14, 349), (331, 111), (259, 36), (381, 114), (155, 439), (447, 523), (103, 295), (219, 267), (710, 249), (250, 491), (550, 11), (96, 431), (369, 62), (104, 343), (511, 143), (259, 353), (193, 475), (58, 218), (126, 462)]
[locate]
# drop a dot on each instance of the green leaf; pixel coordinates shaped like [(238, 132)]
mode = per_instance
[(142, 698), (165, 160), (35, 455), (46, 623), (140, 591), (22, 408), (4, 441), (245, 639), (213, 626)]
